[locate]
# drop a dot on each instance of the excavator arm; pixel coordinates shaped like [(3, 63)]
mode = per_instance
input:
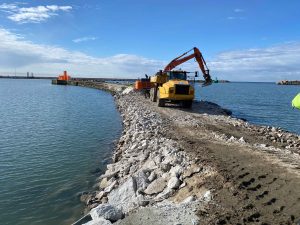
[(199, 58)]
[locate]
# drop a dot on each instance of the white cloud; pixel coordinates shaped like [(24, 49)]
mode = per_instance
[(279, 62), (237, 10), (257, 64), (32, 14), (82, 39), (235, 18), (16, 53), (8, 6)]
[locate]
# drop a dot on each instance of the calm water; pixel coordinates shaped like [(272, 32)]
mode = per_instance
[(51, 138), (260, 103)]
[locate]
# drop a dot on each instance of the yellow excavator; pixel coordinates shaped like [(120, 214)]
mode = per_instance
[(172, 86)]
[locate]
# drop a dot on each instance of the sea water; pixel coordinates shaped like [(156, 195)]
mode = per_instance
[(260, 103), (53, 141)]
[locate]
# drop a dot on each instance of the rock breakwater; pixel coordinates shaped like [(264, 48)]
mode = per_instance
[(198, 166), (147, 169)]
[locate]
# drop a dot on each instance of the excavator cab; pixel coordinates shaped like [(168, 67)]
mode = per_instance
[(177, 75)]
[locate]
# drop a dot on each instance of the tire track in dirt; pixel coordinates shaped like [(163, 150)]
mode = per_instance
[(250, 186)]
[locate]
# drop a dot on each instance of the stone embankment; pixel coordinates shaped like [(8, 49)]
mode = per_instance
[(147, 169), (199, 166), (110, 87)]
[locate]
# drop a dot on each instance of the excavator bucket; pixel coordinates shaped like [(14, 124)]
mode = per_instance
[(207, 80), (296, 102), (207, 83)]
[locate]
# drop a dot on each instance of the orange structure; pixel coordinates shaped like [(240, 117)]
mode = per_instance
[(64, 77), (142, 84)]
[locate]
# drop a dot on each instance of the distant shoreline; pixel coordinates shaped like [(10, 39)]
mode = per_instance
[(289, 82), (116, 80)]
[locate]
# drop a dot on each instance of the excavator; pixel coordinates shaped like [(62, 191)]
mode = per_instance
[(172, 86)]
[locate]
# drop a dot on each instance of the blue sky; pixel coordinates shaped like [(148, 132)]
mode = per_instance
[(256, 40)]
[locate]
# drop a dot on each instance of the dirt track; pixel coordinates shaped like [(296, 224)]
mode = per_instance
[(251, 185)]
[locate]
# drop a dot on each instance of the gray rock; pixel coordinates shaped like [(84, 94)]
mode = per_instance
[(156, 186), (107, 212), (127, 169), (110, 187), (176, 171), (103, 183), (134, 146), (157, 159), (85, 197), (108, 174), (149, 164), (241, 140), (104, 200), (231, 139), (152, 176), (144, 156), (191, 170), (145, 144), (167, 192), (189, 199), (182, 185), (207, 196), (165, 167), (100, 195), (132, 169), (174, 183), (142, 181), (100, 221), (124, 196), (142, 201), (272, 138)]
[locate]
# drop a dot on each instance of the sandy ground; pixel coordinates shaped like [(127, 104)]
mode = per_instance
[(251, 185)]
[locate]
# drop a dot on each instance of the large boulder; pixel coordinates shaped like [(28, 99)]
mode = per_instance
[(141, 180), (192, 170), (104, 183), (152, 176), (110, 187), (124, 196), (156, 186), (174, 183), (106, 211)]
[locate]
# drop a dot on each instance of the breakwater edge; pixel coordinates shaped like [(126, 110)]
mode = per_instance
[(174, 166)]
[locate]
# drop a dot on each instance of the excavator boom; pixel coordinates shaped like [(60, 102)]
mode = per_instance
[(199, 58)]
